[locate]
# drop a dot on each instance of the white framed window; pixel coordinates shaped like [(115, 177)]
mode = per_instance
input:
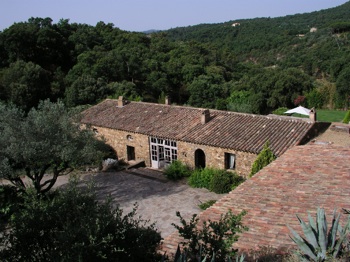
[(174, 154), (163, 149), (154, 153), (167, 155)]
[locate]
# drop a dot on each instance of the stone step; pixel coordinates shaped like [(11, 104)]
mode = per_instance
[(148, 173), (135, 164)]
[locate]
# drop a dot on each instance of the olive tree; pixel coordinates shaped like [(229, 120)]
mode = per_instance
[(44, 144)]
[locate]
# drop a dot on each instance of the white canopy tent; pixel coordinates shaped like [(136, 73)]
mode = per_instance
[(299, 110)]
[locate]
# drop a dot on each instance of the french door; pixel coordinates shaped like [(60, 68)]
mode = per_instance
[(163, 152)]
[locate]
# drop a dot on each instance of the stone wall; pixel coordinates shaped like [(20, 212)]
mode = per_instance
[(214, 156), (119, 140)]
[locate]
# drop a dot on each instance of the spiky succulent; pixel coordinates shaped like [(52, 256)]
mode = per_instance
[(319, 242)]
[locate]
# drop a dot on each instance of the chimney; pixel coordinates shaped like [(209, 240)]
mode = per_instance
[(205, 116), (167, 100), (121, 102), (312, 115)]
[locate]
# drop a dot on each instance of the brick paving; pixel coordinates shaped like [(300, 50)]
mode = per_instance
[(304, 178), (157, 198)]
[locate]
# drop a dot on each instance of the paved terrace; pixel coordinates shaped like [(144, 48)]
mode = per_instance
[(157, 198), (304, 178)]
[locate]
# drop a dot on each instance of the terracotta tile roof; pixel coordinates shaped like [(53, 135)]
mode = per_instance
[(302, 179), (244, 132)]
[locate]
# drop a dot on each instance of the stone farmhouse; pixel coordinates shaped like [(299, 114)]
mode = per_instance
[(161, 133)]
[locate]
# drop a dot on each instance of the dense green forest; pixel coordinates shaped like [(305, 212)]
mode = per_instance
[(256, 66)]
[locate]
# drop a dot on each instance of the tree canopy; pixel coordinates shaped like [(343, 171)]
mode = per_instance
[(272, 59), (44, 144)]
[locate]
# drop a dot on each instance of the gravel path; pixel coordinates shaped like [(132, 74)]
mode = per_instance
[(337, 133), (158, 199)]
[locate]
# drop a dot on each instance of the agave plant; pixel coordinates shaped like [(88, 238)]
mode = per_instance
[(319, 242), (238, 258)]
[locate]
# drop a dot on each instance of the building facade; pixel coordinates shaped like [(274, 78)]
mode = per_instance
[(159, 134), (159, 152)]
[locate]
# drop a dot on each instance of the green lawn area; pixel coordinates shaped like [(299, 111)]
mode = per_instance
[(330, 115), (324, 115)]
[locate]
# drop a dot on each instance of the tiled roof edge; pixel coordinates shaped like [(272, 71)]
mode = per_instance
[(315, 130), (270, 116)]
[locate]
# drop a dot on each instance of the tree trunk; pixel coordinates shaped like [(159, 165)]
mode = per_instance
[(49, 183)]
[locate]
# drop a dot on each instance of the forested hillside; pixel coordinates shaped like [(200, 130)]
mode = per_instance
[(256, 66)]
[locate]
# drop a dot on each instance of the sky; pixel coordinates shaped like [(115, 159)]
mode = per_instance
[(143, 15)]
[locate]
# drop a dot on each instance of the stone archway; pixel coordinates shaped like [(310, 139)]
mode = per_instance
[(199, 158)]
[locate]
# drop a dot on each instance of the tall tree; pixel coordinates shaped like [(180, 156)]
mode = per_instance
[(20, 41), (46, 141), (343, 88), (204, 91), (86, 90), (25, 84)]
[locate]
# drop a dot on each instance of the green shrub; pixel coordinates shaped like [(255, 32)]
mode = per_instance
[(346, 119), (177, 170), (207, 204), (264, 158), (215, 180), (280, 111), (236, 180), (223, 181), (315, 99), (214, 237), (201, 178), (74, 226)]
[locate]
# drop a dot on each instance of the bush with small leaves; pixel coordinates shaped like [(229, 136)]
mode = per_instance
[(346, 119), (224, 181), (201, 177), (215, 180), (265, 157), (74, 226), (280, 111), (214, 237), (177, 170), (207, 204), (236, 180)]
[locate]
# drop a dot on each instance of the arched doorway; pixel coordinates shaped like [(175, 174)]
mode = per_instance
[(199, 158)]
